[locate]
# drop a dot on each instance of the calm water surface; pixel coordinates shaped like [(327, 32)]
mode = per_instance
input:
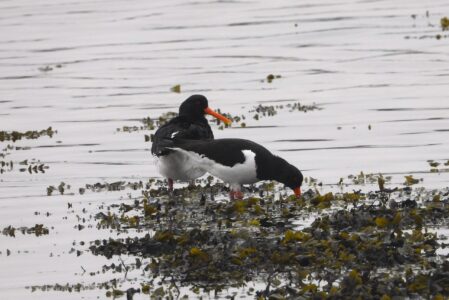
[(86, 68)]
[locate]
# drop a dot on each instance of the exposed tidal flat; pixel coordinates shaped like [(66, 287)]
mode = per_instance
[(355, 94)]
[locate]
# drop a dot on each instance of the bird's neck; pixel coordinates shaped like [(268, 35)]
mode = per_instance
[(270, 167)]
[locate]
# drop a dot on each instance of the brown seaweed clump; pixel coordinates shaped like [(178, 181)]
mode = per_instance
[(371, 246)]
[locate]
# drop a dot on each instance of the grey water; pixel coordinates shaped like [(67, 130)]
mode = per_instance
[(88, 68)]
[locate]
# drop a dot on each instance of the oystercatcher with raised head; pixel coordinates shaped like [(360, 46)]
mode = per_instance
[(190, 124), (235, 161)]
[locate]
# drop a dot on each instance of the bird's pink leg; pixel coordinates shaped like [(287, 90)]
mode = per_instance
[(170, 185), (235, 193)]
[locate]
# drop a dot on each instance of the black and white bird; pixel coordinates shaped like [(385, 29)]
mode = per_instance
[(190, 124), (235, 161)]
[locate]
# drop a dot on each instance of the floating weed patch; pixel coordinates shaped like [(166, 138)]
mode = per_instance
[(360, 251), (6, 166), (443, 25), (176, 88), (444, 22), (255, 113), (149, 124), (37, 230), (31, 166), (113, 186), (272, 77), (409, 180), (262, 111), (370, 178), (49, 68), (31, 134), (72, 288), (61, 188), (165, 117), (437, 167), (313, 182)]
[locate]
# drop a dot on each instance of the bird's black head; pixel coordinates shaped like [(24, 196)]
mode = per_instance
[(291, 177), (196, 106), (193, 107)]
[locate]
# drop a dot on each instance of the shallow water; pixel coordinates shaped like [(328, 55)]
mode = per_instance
[(88, 68)]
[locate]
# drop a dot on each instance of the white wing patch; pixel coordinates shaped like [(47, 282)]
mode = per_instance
[(174, 134), (243, 173)]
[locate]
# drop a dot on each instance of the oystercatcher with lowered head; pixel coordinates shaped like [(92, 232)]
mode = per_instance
[(190, 124), (235, 161)]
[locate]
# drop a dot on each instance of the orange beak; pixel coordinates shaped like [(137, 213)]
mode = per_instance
[(209, 111), (297, 192)]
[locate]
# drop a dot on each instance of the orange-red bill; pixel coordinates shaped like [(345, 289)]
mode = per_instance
[(209, 111), (297, 192)]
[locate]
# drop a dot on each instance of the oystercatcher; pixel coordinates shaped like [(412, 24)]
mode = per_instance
[(190, 124), (235, 161)]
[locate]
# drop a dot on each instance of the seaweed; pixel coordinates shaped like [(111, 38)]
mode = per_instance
[(370, 178), (256, 113), (37, 230), (112, 186), (409, 180), (176, 88), (30, 134), (444, 22), (361, 250), (32, 166), (271, 77), (261, 111), (61, 188), (49, 68), (444, 25), (437, 167)]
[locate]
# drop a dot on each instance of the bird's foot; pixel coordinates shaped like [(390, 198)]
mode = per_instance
[(235, 195), (170, 185)]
